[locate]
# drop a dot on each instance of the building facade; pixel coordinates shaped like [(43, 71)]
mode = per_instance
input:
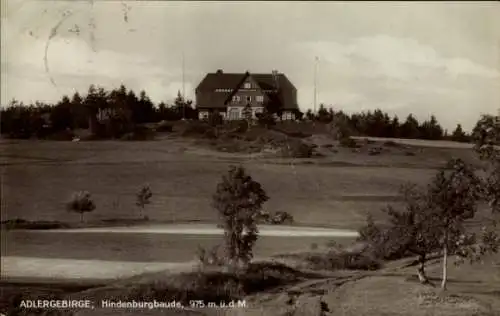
[(233, 95)]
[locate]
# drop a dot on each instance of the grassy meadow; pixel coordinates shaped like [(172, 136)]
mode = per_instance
[(337, 190)]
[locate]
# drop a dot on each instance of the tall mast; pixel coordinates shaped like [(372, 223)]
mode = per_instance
[(183, 77), (183, 88), (315, 81)]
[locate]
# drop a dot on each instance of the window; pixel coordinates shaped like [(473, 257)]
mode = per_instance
[(249, 99), (260, 98), (247, 85), (234, 114), (236, 98)]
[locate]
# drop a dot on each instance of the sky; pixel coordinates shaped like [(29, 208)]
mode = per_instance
[(440, 58)]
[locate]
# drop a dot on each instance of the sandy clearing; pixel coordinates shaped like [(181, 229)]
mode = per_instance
[(208, 229), (32, 267)]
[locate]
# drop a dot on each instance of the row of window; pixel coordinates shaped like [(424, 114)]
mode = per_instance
[(259, 98)]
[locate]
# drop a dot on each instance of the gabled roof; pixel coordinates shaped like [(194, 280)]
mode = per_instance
[(232, 81), (214, 81)]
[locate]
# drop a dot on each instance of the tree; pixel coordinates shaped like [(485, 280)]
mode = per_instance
[(459, 135), (247, 114), (413, 228), (81, 202), (184, 107), (486, 137), (410, 129), (409, 231), (78, 112), (394, 128), (452, 199), (323, 115), (431, 129), (266, 119), (61, 115), (239, 200), (143, 198), (309, 115)]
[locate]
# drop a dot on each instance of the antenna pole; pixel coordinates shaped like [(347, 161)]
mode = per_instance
[(183, 89), (315, 81), (183, 77)]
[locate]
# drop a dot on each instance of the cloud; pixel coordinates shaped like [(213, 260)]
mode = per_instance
[(398, 58)]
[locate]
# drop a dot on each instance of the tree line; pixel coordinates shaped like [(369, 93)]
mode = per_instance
[(378, 123), (41, 119), (128, 110)]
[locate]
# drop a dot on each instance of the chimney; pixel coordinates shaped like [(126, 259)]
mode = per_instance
[(219, 71)]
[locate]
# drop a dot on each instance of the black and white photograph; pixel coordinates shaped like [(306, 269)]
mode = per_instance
[(260, 158)]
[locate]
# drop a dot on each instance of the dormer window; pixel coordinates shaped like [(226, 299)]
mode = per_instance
[(247, 85)]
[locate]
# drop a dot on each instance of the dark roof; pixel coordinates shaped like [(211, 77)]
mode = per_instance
[(207, 97)]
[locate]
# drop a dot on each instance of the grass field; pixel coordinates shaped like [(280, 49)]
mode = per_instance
[(39, 177), (335, 190)]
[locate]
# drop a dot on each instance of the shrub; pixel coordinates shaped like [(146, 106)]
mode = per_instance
[(139, 133), (348, 142), (295, 148), (19, 223), (211, 257), (65, 135), (334, 260), (391, 143), (381, 246), (374, 151), (196, 128), (164, 127), (281, 217)]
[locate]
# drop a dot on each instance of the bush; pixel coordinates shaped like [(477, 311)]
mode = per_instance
[(295, 148), (196, 128), (348, 142), (374, 151), (217, 286), (212, 257), (334, 260), (281, 218), (66, 135), (391, 143), (164, 127), (139, 133), (380, 245), (19, 223)]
